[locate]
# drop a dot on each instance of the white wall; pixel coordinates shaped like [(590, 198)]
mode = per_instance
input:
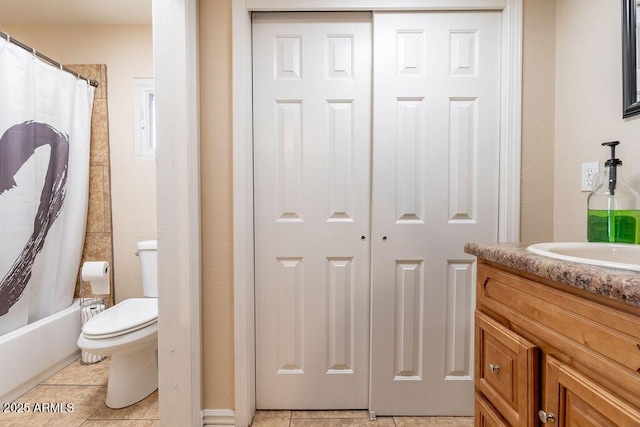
[(127, 50), (538, 116), (588, 106)]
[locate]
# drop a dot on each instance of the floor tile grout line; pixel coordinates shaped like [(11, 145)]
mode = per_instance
[(70, 385), (94, 412), (333, 418)]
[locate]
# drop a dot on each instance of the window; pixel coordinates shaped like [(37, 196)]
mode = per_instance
[(145, 132)]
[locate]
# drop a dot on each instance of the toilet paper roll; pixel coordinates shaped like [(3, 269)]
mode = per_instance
[(90, 311), (89, 358), (97, 272)]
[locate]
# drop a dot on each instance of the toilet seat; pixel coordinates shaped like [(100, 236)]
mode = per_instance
[(123, 318)]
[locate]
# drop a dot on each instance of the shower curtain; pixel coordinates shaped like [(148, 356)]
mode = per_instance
[(45, 127)]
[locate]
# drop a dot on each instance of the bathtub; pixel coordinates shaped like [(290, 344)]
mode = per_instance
[(34, 352)]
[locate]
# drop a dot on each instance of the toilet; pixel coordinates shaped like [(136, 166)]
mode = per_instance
[(128, 332)]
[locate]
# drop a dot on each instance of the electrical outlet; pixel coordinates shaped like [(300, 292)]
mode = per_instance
[(588, 177)]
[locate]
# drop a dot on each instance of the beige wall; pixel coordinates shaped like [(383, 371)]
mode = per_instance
[(127, 52), (217, 204), (538, 114), (588, 106)]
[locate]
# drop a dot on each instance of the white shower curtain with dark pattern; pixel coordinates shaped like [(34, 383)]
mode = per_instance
[(45, 128)]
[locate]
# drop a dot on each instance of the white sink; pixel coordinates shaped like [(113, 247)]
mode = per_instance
[(614, 255)]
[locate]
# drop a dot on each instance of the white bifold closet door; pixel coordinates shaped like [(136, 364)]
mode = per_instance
[(360, 239), (435, 187), (312, 141)]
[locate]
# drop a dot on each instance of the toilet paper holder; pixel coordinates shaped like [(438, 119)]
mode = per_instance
[(89, 308), (92, 301)]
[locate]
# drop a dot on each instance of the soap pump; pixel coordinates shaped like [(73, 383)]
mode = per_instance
[(613, 207)]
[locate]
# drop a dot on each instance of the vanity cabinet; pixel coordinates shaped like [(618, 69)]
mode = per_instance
[(549, 353)]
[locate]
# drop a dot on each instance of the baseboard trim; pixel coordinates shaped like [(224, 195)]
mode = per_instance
[(218, 417)]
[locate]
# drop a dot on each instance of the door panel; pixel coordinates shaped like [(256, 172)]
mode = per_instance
[(312, 139), (435, 187)]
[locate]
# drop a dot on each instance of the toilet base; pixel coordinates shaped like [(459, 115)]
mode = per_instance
[(132, 376)]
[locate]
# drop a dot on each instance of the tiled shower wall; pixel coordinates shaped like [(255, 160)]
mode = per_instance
[(98, 243)]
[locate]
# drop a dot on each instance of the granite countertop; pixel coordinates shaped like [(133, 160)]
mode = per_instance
[(622, 285)]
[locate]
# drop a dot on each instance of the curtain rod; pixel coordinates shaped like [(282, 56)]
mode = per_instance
[(10, 39)]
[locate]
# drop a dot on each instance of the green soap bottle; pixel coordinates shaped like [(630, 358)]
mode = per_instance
[(613, 207)]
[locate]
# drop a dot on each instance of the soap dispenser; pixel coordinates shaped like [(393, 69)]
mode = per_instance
[(613, 207)]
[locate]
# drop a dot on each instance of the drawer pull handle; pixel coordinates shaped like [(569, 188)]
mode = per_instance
[(494, 368), (546, 417)]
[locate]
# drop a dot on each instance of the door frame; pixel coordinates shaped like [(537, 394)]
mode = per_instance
[(243, 224), (175, 53)]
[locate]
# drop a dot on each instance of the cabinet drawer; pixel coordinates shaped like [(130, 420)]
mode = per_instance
[(485, 415), (506, 371)]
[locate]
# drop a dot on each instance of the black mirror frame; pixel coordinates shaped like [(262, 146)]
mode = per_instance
[(630, 103)]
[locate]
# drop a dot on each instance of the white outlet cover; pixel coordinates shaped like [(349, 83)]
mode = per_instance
[(588, 176)]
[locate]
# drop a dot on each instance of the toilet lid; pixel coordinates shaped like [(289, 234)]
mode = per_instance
[(127, 316)]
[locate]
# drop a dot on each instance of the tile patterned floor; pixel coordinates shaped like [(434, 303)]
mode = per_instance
[(350, 419), (84, 387)]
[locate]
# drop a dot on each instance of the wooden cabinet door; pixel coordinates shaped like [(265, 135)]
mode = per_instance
[(506, 371), (485, 415), (575, 400)]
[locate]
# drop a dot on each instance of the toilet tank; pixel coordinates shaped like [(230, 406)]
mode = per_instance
[(148, 253)]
